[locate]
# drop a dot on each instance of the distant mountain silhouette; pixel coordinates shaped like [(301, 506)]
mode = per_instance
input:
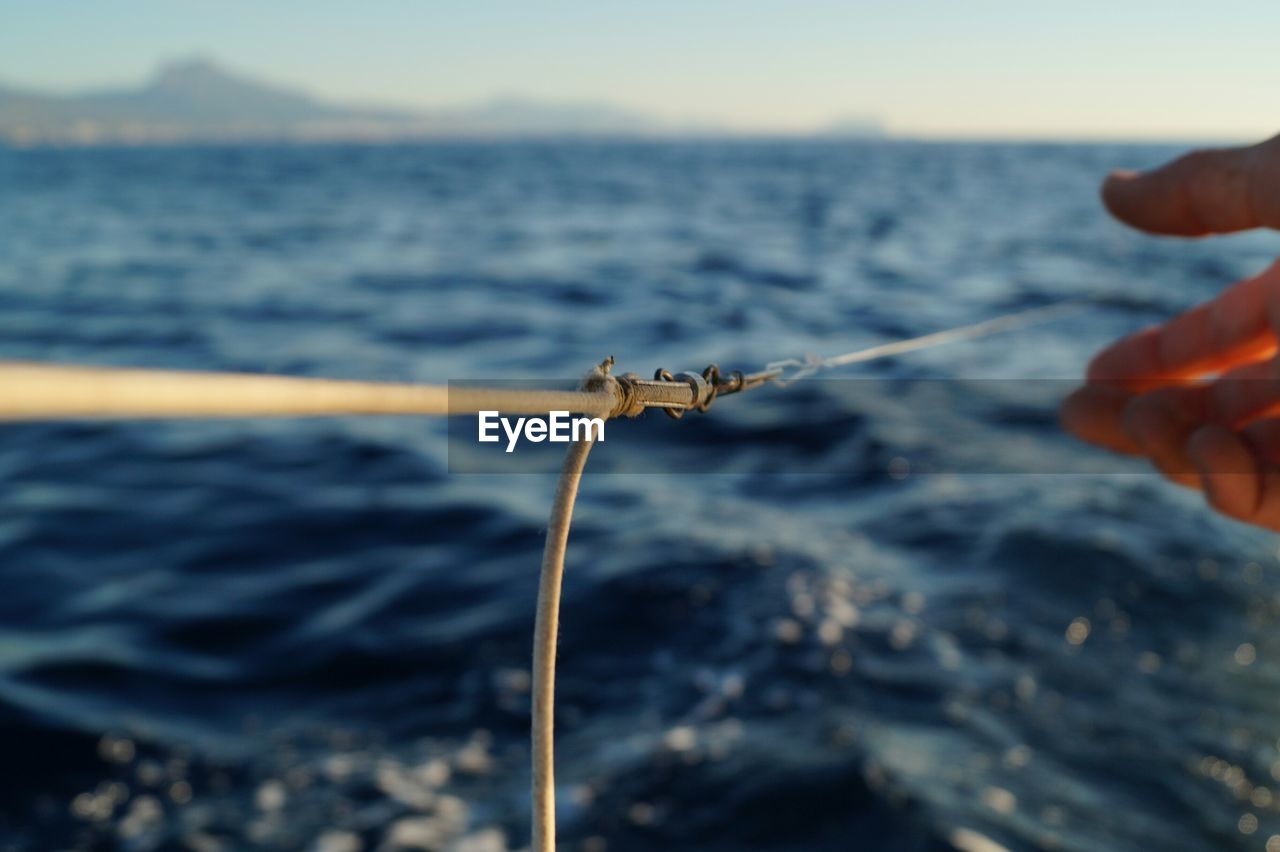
[(197, 99), (521, 116), (854, 127)]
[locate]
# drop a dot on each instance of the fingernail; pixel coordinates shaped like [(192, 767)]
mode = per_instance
[(1123, 176), (1115, 185)]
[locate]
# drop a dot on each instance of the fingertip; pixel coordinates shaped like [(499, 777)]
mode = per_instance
[(1155, 423), (1228, 470), (1144, 421), (1156, 201), (1098, 368), (1117, 189), (1129, 360), (1071, 414), (1093, 414)]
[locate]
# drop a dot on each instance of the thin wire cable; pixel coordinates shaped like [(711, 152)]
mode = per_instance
[(545, 634), (812, 364)]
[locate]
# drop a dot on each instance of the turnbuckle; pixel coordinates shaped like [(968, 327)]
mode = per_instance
[(711, 383)]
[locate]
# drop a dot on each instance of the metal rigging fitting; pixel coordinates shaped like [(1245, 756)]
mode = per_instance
[(674, 393), (711, 383)]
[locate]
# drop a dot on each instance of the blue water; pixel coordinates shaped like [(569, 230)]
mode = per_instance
[(309, 635)]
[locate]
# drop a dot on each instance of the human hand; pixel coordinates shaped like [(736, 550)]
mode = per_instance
[(1199, 396)]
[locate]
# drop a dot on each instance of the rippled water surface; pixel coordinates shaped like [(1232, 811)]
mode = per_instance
[(311, 635)]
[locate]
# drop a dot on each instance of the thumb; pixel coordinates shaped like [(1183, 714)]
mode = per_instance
[(1213, 191)]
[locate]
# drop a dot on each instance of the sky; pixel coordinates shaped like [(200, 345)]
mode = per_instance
[(1060, 69)]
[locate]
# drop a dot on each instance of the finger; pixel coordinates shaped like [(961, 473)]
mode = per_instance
[(1095, 414), (1205, 192), (1240, 470), (1245, 394), (1161, 424), (1227, 331), (1230, 474)]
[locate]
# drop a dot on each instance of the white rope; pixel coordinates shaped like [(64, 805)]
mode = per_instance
[(545, 633), (39, 392)]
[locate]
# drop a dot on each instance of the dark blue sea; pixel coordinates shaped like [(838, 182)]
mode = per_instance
[(311, 635)]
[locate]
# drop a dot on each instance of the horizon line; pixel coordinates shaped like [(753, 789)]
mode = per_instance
[(726, 136)]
